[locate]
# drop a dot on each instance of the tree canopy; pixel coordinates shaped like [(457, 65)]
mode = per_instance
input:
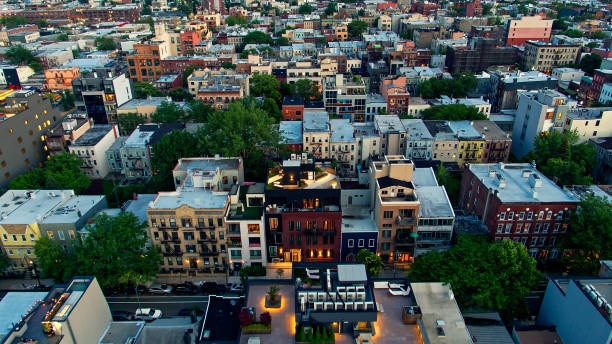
[(105, 43), (558, 155), (589, 63), (372, 261), (142, 90), (589, 239), (178, 144), (458, 87), (61, 171), (356, 28), (235, 20), (169, 112), (20, 55), (331, 8), (482, 274), (112, 248), (453, 112), (257, 37), (264, 85), (305, 9), (13, 21), (129, 121), (180, 94)]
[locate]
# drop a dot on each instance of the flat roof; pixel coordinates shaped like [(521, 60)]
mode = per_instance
[(416, 130), (358, 225), (350, 273), (315, 121), (14, 305), (291, 131), (197, 198), (134, 103), (27, 206), (138, 206), (341, 130), (490, 130), (93, 135), (424, 176), (208, 164), (221, 323), (464, 129), (72, 209), (440, 309), (434, 202), (517, 188), (119, 332), (388, 123), (364, 129)]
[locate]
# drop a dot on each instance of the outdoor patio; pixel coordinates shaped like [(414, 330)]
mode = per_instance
[(389, 322), (283, 319)]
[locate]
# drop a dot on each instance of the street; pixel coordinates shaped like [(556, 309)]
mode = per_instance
[(170, 305)]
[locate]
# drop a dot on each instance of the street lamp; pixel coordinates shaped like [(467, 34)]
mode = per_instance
[(35, 271)]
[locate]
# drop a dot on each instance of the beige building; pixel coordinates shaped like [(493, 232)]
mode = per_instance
[(395, 207), (589, 122), (445, 143), (544, 57), (384, 22), (188, 224), (145, 107), (316, 134), (392, 134), (91, 147)]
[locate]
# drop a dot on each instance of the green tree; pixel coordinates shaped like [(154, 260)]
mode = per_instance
[(560, 24), (186, 73), (305, 9), (235, 20), (198, 111), (41, 23), (573, 33), (372, 261), (13, 21), (53, 260), (356, 28), (271, 108), (19, 55), (589, 63), (5, 262), (178, 144), (453, 112), (104, 43), (169, 112), (142, 90), (263, 85), (589, 239), (458, 87), (228, 65), (129, 121), (482, 274), (331, 8), (282, 42), (67, 100), (360, 13), (257, 37), (307, 89), (451, 182), (62, 37), (61, 171), (146, 11), (598, 35), (180, 94)]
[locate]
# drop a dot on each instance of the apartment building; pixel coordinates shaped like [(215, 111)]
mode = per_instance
[(600, 78), (293, 108), (136, 150), (32, 214), (91, 147), (589, 122), (471, 143), (507, 86), (394, 90), (517, 202), (188, 224), (303, 213), (534, 28), (497, 142), (100, 93), (59, 137), (26, 118), (368, 143), (603, 159), (144, 63), (218, 88), (146, 107), (538, 112), (344, 97), (419, 142), (61, 78), (483, 106), (316, 134), (392, 134), (189, 39), (543, 57), (244, 219), (480, 54), (343, 146), (445, 144), (375, 105), (395, 207)]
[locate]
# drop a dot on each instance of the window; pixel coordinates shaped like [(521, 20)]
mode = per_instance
[(508, 227), (236, 253), (61, 235), (351, 243), (153, 222), (388, 214), (526, 228), (385, 246), (371, 243), (530, 215), (546, 226), (255, 253), (360, 243), (500, 227), (386, 234), (556, 227), (537, 228), (534, 241), (172, 222), (549, 215), (4, 237), (511, 216), (519, 227), (253, 228), (219, 222), (254, 241), (541, 215), (521, 216), (502, 215)]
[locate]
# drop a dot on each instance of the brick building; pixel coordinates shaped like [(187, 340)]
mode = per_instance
[(478, 56), (497, 142), (61, 78), (144, 64), (189, 39), (393, 89), (517, 202), (293, 108), (535, 28)]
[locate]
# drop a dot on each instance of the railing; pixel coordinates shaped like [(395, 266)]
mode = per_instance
[(209, 253), (405, 221), (173, 253), (204, 240)]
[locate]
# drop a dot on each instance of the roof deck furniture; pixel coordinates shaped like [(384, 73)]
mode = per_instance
[(397, 290)]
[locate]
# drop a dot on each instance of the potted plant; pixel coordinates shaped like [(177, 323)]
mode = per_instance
[(273, 297)]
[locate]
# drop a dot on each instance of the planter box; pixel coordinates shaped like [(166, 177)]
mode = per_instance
[(276, 304), (268, 331)]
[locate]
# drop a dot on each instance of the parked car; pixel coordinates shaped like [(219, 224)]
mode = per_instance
[(147, 314), (210, 287), (186, 288), (123, 316), (160, 289)]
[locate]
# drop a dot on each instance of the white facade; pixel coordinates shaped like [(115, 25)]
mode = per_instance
[(606, 94), (590, 123), (92, 147), (123, 91)]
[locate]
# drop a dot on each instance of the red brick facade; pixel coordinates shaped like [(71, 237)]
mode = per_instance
[(315, 242)]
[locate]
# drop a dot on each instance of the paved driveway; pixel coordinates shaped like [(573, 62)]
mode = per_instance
[(283, 319)]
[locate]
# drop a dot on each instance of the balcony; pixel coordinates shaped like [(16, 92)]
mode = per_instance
[(209, 253), (405, 238), (171, 240), (206, 240), (172, 253), (402, 221), (235, 244)]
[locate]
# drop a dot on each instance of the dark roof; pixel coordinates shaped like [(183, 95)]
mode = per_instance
[(293, 101), (603, 142), (162, 130), (435, 127), (487, 327), (385, 182), (313, 104), (221, 319), (278, 72)]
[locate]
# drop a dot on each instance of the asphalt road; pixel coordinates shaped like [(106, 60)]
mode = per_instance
[(170, 305)]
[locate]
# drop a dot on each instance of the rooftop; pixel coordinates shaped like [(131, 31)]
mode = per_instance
[(352, 273), (464, 130), (93, 135), (72, 209), (520, 182), (424, 176), (121, 331), (208, 164), (440, 130), (315, 121), (434, 202), (14, 306), (291, 131), (221, 322), (489, 130), (442, 319), (416, 129), (293, 101), (20, 207), (358, 224), (134, 103), (138, 206), (587, 113), (341, 130), (388, 123), (197, 198), (148, 134)]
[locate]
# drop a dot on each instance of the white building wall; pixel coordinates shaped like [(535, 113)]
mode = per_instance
[(97, 155)]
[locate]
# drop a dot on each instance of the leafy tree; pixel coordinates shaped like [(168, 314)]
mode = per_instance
[(331, 8), (180, 94), (305, 9), (146, 11), (148, 20), (169, 112), (589, 63), (573, 33), (113, 247), (458, 87), (13, 21), (598, 35), (271, 108), (5, 262), (453, 112), (41, 23), (129, 121), (451, 182), (62, 37), (142, 90), (360, 13), (228, 65), (20, 55), (589, 239), (62, 171), (257, 37), (198, 111), (186, 73), (560, 24), (263, 85), (371, 261), (482, 274), (178, 144), (282, 42), (307, 89), (67, 100), (356, 28), (558, 155), (235, 20), (104, 43)]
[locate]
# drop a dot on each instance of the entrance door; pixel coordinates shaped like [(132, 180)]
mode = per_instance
[(193, 263), (296, 256)]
